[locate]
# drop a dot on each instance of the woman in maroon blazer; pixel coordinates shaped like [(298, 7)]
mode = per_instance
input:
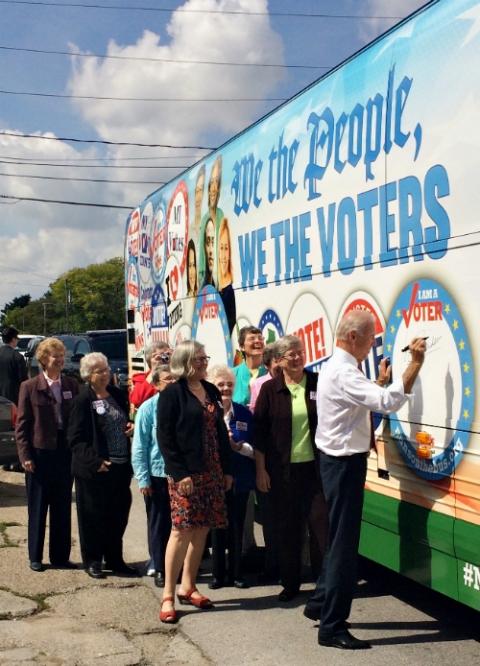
[(285, 420), (43, 409)]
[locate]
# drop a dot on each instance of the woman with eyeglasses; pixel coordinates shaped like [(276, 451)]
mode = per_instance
[(194, 442), (149, 470), (99, 437), (285, 420)]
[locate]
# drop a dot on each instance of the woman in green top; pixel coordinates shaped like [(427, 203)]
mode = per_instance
[(285, 420)]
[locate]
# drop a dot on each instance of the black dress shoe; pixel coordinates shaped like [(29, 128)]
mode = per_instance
[(159, 579), (36, 566), (215, 584), (241, 584), (64, 565), (94, 570), (287, 594), (345, 641)]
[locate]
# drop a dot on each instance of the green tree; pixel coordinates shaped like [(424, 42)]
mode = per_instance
[(19, 302), (91, 297), (81, 299)]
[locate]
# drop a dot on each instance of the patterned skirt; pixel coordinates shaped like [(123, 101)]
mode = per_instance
[(205, 506)]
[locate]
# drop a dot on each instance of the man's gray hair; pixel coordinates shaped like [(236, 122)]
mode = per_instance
[(181, 362), (153, 347), (355, 320), (283, 345), (89, 362), (220, 371)]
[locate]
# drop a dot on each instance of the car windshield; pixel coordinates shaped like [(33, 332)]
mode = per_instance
[(113, 346), (22, 343), (69, 341)]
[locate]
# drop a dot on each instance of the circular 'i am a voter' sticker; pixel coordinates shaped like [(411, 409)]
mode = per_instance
[(432, 430)]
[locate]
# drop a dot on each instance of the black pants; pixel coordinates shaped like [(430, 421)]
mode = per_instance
[(343, 480), (159, 521), (267, 511), (230, 538), (293, 495), (103, 505), (49, 487)]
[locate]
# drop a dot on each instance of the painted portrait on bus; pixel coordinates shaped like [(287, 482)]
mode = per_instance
[(225, 273)]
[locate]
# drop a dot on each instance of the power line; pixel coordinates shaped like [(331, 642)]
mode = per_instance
[(100, 166), (28, 160), (66, 203), (165, 10), (85, 180), (104, 56), (143, 99), (102, 141)]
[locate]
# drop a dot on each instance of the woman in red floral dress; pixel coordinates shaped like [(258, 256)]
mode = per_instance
[(194, 443)]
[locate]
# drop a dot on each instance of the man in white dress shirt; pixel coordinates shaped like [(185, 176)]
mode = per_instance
[(345, 399)]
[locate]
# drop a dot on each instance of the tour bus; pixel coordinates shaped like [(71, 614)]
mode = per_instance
[(361, 192)]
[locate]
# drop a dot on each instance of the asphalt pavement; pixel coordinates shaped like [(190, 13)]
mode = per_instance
[(62, 618)]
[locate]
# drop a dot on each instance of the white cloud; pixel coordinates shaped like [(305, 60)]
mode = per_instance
[(201, 37), (370, 29), (40, 241)]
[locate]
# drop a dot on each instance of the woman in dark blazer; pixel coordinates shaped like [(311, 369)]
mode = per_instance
[(98, 436), (43, 411), (285, 420), (195, 446)]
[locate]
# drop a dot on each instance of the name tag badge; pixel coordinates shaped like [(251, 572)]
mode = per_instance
[(241, 425), (67, 395), (313, 395), (99, 407)]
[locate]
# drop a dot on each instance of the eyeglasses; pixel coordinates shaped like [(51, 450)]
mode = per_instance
[(201, 359), (291, 356), (101, 371)]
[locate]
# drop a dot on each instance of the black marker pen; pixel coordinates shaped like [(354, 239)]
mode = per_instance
[(408, 346)]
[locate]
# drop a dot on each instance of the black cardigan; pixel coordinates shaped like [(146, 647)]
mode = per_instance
[(180, 430), (85, 436), (273, 422)]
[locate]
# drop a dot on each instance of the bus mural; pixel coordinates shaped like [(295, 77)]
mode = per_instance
[(359, 192)]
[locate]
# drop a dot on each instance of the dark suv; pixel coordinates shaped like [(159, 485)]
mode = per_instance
[(112, 343)]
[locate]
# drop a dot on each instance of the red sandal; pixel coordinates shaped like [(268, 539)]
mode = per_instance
[(199, 602), (170, 616)]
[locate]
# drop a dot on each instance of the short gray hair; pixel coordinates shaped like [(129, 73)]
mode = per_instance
[(181, 363), (269, 353), (220, 371), (284, 344), (88, 363), (355, 320), (153, 347), (157, 373)]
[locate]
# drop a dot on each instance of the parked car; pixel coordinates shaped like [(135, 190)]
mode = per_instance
[(8, 448), (112, 343), (24, 339)]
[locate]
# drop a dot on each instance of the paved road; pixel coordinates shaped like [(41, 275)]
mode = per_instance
[(405, 623), (64, 618)]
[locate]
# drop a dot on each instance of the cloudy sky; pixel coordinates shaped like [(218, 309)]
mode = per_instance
[(154, 55)]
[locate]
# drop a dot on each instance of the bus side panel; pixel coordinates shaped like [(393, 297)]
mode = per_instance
[(425, 565)]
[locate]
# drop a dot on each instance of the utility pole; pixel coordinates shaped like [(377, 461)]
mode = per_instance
[(45, 318), (66, 306)]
